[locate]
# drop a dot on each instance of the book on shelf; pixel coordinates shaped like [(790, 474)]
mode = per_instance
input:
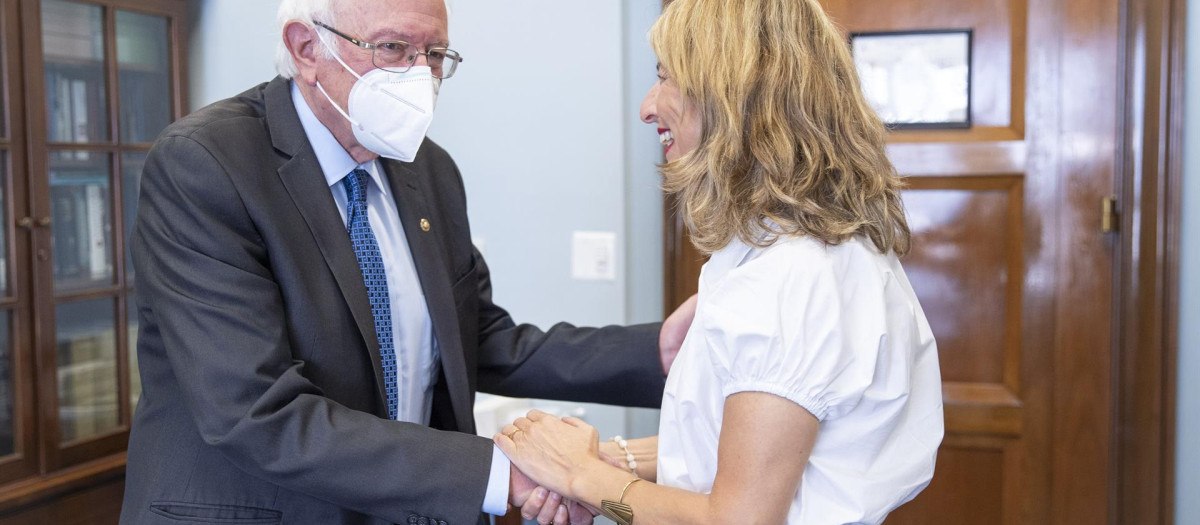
[(75, 103)]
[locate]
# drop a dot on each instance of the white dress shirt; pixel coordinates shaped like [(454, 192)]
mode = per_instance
[(835, 329), (418, 361)]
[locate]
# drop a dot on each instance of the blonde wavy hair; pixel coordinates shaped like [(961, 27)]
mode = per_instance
[(788, 143)]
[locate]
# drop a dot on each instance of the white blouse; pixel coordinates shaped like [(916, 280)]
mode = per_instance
[(835, 329)]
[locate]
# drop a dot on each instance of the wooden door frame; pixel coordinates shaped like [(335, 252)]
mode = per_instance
[(1146, 333), (1146, 308)]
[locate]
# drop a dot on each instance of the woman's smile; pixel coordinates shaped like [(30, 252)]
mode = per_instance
[(666, 138)]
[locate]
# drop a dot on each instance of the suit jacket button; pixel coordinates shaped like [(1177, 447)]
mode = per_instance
[(425, 225), (423, 521), (441, 522), (412, 519)]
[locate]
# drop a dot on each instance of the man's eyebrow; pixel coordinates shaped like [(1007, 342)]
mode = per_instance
[(388, 35)]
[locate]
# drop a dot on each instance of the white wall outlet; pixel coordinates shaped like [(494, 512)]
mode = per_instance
[(594, 256)]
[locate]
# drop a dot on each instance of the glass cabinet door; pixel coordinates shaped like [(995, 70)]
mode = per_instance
[(80, 203), (109, 91), (76, 94), (8, 405), (8, 427), (145, 76), (18, 453), (143, 61)]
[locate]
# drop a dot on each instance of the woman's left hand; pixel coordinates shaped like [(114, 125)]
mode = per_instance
[(551, 451)]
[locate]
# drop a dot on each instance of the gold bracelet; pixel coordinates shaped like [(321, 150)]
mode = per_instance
[(618, 511)]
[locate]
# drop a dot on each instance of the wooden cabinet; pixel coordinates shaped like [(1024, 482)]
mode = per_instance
[(87, 86)]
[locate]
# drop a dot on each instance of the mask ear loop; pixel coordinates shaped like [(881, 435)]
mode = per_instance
[(321, 88), (333, 51), (337, 107)]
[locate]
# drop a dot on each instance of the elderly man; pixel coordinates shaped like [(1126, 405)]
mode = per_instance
[(314, 319)]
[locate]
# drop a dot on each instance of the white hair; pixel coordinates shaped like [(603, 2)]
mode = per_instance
[(306, 11)]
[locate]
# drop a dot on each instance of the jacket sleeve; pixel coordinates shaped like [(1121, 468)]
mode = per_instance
[(204, 278), (615, 365)]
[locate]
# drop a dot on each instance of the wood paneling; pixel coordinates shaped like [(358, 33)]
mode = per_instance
[(998, 61), (967, 272), (95, 505), (967, 484), (1056, 339), (1149, 257)]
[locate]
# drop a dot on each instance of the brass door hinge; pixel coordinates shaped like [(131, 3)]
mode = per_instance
[(1109, 217)]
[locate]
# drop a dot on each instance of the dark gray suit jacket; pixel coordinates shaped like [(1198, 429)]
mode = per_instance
[(262, 387)]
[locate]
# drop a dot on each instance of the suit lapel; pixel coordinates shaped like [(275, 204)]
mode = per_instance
[(435, 282), (306, 185)]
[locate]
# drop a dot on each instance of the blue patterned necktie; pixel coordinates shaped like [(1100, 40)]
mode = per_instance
[(366, 250)]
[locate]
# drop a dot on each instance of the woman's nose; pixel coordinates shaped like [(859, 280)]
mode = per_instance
[(649, 111)]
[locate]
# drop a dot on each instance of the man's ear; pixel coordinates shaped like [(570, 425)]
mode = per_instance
[(302, 42)]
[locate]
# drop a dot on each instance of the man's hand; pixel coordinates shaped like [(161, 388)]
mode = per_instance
[(520, 487), (674, 329), (538, 503), (546, 507)]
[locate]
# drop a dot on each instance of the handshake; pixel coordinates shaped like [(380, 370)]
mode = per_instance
[(551, 457), (557, 462)]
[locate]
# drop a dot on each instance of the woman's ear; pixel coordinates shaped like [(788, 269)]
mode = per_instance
[(302, 41)]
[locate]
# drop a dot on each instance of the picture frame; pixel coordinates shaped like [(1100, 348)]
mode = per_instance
[(916, 79)]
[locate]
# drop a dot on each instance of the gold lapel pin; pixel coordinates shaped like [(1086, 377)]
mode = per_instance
[(425, 225)]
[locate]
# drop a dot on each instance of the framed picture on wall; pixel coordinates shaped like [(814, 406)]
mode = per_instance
[(916, 79)]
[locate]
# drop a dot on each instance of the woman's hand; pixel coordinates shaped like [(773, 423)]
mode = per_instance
[(553, 452)]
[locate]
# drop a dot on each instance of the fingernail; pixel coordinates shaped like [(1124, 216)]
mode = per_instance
[(540, 492), (555, 496)]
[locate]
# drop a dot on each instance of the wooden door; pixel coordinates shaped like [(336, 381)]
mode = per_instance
[(1010, 262)]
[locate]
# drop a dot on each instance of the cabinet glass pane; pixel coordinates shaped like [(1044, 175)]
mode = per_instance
[(144, 75), (87, 368), (4, 264), (80, 201), (131, 179), (135, 377), (8, 425), (73, 43), (4, 29)]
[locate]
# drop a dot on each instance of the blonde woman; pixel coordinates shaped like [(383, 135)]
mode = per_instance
[(807, 390)]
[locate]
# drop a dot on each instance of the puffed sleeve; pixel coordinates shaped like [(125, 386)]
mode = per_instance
[(798, 328)]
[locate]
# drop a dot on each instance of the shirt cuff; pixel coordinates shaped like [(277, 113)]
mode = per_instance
[(495, 500)]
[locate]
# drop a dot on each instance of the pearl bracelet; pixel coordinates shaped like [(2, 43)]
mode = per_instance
[(621, 442)]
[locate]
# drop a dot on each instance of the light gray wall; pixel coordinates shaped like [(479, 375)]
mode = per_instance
[(231, 47), (543, 121), (644, 201), (535, 119), (1187, 468)]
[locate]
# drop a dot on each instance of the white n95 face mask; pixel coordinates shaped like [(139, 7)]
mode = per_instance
[(390, 112)]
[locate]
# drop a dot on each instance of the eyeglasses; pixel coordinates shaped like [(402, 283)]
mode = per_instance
[(398, 56)]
